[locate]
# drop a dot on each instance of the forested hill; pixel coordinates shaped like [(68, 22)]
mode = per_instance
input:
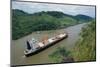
[(24, 23), (83, 18), (56, 14)]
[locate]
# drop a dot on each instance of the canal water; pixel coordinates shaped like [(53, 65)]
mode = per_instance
[(18, 46)]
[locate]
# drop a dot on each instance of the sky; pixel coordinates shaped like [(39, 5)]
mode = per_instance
[(31, 7)]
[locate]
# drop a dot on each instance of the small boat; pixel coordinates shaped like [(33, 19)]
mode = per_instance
[(34, 46)]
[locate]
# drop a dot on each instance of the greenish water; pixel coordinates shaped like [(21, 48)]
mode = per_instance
[(18, 46)]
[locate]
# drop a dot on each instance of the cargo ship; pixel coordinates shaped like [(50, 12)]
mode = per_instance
[(34, 46)]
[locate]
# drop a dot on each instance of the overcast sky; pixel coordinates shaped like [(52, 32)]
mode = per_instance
[(31, 7)]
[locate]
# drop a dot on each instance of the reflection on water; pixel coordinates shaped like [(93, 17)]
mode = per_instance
[(18, 46)]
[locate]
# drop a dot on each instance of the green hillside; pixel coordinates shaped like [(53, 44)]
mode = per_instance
[(24, 23), (85, 48)]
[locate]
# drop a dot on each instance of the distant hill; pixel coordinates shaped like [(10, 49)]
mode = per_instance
[(83, 18), (24, 23), (18, 12), (52, 13), (56, 14)]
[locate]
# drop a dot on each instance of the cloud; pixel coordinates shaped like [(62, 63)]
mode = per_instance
[(31, 7)]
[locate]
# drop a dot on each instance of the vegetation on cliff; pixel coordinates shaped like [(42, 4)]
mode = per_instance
[(85, 48)]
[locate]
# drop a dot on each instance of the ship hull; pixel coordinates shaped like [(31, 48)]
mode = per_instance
[(45, 47)]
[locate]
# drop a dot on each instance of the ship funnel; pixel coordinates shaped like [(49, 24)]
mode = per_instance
[(28, 45)]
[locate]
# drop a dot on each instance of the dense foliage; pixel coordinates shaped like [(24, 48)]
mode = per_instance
[(60, 54), (85, 48), (24, 23)]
